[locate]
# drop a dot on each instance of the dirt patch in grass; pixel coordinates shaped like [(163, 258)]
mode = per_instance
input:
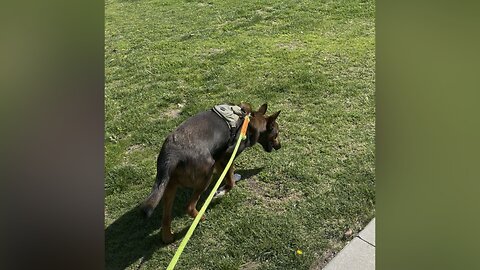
[(291, 45), (175, 111), (250, 266), (133, 148), (271, 195), (211, 52)]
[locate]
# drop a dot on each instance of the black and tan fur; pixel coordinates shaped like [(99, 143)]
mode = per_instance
[(199, 145)]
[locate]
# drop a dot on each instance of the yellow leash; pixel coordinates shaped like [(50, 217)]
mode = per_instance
[(184, 242)]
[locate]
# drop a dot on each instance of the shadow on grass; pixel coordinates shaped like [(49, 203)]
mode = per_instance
[(246, 174), (129, 238)]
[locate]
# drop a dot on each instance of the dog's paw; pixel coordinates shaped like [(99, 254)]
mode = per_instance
[(220, 193), (167, 237)]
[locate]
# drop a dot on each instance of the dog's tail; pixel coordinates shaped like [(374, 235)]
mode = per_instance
[(163, 176)]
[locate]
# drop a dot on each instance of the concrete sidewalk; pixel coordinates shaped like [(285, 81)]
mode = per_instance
[(359, 254)]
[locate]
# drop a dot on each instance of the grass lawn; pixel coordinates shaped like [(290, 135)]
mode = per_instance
[(314, 60)]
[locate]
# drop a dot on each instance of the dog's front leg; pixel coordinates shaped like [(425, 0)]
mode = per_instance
[(192, 204), (230, 179)]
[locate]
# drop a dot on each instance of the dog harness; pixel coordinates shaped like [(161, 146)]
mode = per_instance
[(231, 114)]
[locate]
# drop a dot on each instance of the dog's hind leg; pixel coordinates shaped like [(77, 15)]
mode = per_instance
[(204, 174), (168, 198)]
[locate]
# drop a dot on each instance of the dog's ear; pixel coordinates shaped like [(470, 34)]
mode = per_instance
[(263, 109), (246, 107), (271, 119)]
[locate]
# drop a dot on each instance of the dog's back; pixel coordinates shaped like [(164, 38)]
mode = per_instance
[(202, 131)]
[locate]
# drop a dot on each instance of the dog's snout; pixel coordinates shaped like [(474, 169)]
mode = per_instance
[(277, 146)]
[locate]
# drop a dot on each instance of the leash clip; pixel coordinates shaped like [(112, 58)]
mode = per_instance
[(243, 132)]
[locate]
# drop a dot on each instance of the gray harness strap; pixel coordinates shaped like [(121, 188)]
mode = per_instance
[(231, 114)]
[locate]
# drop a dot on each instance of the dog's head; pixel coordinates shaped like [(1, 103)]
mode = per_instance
[(265, 128)]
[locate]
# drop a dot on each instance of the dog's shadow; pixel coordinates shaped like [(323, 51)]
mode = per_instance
[(129, 238), (246, 174)]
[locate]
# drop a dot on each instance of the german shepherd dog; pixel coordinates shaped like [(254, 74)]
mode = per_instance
[(199, 145)]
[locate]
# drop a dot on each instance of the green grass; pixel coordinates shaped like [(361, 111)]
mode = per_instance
[(314, 60)]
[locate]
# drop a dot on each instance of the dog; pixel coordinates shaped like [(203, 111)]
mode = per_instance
[(202, 143)]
